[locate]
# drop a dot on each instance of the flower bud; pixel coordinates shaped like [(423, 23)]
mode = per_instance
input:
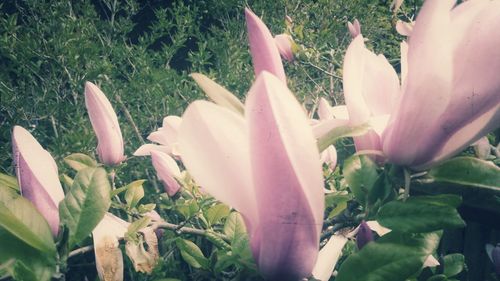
[(105, 124), (364, 235)]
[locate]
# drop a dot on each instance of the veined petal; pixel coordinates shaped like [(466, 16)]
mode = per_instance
[(37, 175), (105, 124), (328, 257), (214, 146), (465, 136), (265, 54), (167, 170), (427, 89), (287, 178)]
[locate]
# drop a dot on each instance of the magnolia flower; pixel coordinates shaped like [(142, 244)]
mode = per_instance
[(266, 165), (105, 124), (371, 87), (451, 93), (167, 170), (108, 256), (37, 176), (354, 28), (284, 43), (166, 136), (264, 50)]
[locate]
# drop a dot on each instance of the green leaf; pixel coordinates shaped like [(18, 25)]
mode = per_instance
[(188, 208), (43, 265), (477, 181), (144, 208), (135, 192), (20, 218), (86, 203), (338, 200), (234, 226), (360, 173), (421, 214), (192, 254), (66, 180), (217, 212), (218, 94), (439, 277), (79, 161), (134, 227), (8, 181), (341, 132), (453, 264), (394, 257), (468, 171), (125, 188)]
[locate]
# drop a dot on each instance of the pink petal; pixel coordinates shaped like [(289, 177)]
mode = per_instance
[(354, 28), (214, 146), (324, 127), (466, 135), (105, 124), (404, 63), (288, 180), (329, 157), (167, 170), (284, 44), (145, 149), (404, 28), (37, 175), (265, 54), (427, 87), (328, 257)]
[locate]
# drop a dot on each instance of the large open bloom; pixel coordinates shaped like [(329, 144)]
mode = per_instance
[(105, 124), (450, 91), (37, 175), (266, 165)]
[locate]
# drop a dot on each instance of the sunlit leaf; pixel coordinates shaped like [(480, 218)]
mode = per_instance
[(79, 161), (86, 203)]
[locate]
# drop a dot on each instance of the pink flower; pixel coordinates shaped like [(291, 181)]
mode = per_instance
[(167, 170), (266, 165), (284, 44), (37, 176), (166, 137), (105, 124), (265, 53), (451, 93), (371, 87)]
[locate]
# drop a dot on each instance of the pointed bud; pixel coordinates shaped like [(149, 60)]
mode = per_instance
[(167, 170), (37, 175), (364, 235), (105, 124), (354, 28)]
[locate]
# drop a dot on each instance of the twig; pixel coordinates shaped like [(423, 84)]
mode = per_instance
[(130, 119), (164, 225)]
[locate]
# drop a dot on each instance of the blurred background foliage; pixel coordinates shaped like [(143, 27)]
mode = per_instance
[(143, 51), (140, 53)]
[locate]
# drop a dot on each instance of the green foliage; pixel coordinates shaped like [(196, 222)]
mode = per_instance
[(422, 214), (86, 203), (394, 257)]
